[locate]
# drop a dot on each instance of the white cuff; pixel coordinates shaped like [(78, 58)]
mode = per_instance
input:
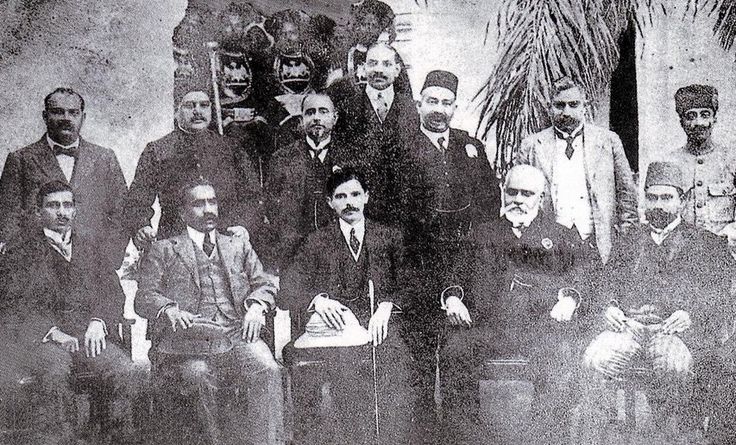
[(164, 307), (311, 304), (104, 325), (47, 337)]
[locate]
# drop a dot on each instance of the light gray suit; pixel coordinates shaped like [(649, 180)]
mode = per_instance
[(610, 182)]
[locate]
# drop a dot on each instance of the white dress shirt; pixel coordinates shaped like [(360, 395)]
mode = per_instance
[(359, 227), (387, 96), (318, 147), (198, 238), (435, 137), (660, 235), (570, 193), (65, 162)]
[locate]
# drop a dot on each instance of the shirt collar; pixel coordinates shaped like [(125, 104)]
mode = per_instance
[(66, 238), (198, 237), (359, 227), (659, 235), (434, 137), (51, 143), (575, 132), (387, 94), (319, 146)]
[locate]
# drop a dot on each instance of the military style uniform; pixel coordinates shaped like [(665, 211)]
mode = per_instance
[(711, 178)]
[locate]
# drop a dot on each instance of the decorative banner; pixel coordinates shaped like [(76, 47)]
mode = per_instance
[(235, 77), (294, 73)]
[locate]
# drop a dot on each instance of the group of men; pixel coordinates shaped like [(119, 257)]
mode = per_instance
[(378, 219)]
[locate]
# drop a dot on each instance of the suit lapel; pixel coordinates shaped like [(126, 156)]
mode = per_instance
[(227, 255), (590, 152), (83, 165), (184, 247), (46, 161)]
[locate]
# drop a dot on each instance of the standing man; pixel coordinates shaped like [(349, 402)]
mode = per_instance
[(447, 187), (60, 311), (374, 119), (591, 186), (92, 172), (204, 295), (708, 168), (514, 293), (332, 277), (191, 151), (296, 205), (664, 296)]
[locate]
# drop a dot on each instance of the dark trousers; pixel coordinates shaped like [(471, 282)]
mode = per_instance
[(114, 380), (552, 363), (348, 373)]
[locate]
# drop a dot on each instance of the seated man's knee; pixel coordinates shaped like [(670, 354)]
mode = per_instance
[(257, 358)]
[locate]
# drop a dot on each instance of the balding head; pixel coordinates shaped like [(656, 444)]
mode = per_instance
[(523, 192)]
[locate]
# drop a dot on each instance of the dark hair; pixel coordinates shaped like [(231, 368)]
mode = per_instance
[(341, 176), (397, 57), (187, 186), (563, 84), (276, 22), (63, 90), (50, 187)]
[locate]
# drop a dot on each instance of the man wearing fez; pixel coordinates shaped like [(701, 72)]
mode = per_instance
[(205, 295), (60, 310), (664, 297), (515, 293), (447, 187), (191, 151), (347, 276), (708, 168), (296, 205), (373, 119), (591, 186), (62, 154)]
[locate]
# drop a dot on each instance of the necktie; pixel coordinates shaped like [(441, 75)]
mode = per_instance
[(569, 149), (68, 151), (441, 142), (381, 108), (208, 246), (354, 243), (316, 154), (61, 247)]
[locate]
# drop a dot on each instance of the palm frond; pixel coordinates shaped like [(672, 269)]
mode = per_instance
[(725, 26), (540, 41)]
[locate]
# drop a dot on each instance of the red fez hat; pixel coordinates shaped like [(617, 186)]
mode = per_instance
[(664, 173), (439, 78), (696, 96)]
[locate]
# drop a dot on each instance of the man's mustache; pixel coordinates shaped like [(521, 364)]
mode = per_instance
[(438, 116), (512, 206), (349, 208), (65, 125), (377, 76)]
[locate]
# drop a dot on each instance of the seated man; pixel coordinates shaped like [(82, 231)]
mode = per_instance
[(346, 271), (60, 310), (662, 296), (513, 297), (205, 295)]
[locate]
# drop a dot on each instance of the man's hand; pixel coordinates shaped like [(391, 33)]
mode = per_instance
[(144, 236), (94, 339), (564, 309), (178, 317), (66, 341), (253, 322), (615, 318), (3, 247), (330, 311), (457, 313), (679, 321), (378, 324), (239, 232)]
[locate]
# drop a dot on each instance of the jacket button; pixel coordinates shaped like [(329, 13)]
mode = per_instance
[(700, 205), (699, 183), (700, 161)]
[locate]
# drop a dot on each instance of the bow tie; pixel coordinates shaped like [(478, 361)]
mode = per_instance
[(569, 139), (68, 151)]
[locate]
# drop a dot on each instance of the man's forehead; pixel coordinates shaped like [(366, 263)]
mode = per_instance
[(381, 52), (61, 196), (201, 192), (349, 186), (195, 96), (699, 110), (318, 102), (569, 95)]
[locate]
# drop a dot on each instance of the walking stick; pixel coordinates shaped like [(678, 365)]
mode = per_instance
[(372, 298)]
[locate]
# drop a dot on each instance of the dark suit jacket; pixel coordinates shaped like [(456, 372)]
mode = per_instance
[(691, 270), (99, 190), (167, 163), (318, 267), (377, 148), (460, 178), (39, 284), (169, 274), (291, 205), (546, 258)]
